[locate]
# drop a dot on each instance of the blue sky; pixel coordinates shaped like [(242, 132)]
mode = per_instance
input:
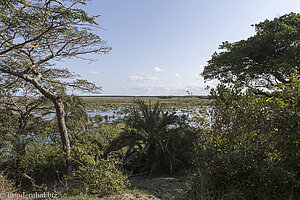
[(159, 47)]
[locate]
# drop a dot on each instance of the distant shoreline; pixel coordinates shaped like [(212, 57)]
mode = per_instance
[(158, 96)]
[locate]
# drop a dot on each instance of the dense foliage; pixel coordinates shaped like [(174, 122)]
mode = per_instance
[(94, 174), (156, 141), (251, 150), (268, 57), (34, 160), (35, 35)]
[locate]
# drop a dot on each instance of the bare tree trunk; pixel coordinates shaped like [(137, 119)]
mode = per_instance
[(59, 107), (60, 114)]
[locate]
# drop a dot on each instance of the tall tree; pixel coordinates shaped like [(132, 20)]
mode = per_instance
[(35, 35), (267, 58)]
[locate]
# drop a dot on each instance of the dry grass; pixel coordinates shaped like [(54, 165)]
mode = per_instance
[(173, 101)]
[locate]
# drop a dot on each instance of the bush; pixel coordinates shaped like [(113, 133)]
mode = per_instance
[(250, 150), (43, 162), (92, 174), (38, 163)]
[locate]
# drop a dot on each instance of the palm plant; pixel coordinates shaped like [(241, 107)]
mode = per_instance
[(74, 109), (154, 139), (75, 112)]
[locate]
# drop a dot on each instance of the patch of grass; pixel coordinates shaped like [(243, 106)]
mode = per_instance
[(169, 101), (130, 194)]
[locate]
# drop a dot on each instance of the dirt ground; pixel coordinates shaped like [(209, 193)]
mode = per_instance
[(161, 188)]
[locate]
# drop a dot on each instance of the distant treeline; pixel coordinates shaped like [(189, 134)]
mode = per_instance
[(161, 97)]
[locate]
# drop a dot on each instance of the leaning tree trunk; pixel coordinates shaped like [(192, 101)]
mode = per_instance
[(59, 107), (60, 114)]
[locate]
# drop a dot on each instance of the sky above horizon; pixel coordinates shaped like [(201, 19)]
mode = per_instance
[(159, 47)]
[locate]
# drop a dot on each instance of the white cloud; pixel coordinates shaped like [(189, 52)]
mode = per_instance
[(168, 89), (157, 69), (93, 72), (177, 75), (143, 77)]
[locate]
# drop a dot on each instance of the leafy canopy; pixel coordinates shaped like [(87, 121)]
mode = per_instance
[(267, 58), (36, 34)]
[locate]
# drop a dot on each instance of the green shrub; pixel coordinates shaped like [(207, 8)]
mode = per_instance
[(251, 149), (43, 162), (92, 174), (38, 163)]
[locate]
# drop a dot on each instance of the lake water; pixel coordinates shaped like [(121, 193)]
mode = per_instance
[(118, 113)]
